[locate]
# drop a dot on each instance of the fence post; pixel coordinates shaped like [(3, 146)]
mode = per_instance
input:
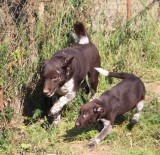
[(129, 9)]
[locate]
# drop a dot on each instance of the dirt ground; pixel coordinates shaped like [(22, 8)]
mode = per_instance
[(100, 150), (154, 89)]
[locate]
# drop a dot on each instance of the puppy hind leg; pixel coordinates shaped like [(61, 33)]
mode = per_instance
[(139, 108), (93, 81), (85, 87)]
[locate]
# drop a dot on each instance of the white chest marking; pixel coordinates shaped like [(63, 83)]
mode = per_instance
[(66, 88)]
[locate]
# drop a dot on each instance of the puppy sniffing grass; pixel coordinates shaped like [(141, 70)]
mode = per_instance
[(126, 95)]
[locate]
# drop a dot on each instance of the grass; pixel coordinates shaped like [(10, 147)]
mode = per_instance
[(125, 49), (41, 138)]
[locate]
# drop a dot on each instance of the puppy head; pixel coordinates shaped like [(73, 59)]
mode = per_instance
[(54, 74), (89, 113)]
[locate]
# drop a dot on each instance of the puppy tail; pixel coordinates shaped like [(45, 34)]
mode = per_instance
[(102, 71), (113, 74), (81, 33)]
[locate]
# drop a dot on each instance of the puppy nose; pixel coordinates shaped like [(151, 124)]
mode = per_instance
[(45, 91)]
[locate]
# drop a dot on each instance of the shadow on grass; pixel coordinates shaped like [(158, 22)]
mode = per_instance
[(35, 104), (123, 118), (77, 133), (73, 133), (120, 119)]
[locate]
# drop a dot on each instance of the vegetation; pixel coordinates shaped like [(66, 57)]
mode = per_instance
[(126, 49)]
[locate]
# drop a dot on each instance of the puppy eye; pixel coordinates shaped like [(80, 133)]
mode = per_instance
[(54, 77)]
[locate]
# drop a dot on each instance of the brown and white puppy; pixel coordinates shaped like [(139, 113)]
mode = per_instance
[(67, 69), (126, 95)]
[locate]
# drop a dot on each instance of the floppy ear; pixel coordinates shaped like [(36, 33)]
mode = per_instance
[(44, 63), (97, 109), (68, 61)]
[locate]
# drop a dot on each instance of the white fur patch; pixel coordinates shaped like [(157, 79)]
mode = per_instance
[(58, 71), (56, 120), (67, 87), (105, 122), (61, 102), (139, 108), (85, 115), (102, 71), (102, 135), (140, 105), (52, 94), (105, 131), (97, 140), (69, 94), (136, 117), (83, 40)]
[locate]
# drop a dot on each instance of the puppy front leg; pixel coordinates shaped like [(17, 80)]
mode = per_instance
[(105, 131), (56, 108), (56, 119)]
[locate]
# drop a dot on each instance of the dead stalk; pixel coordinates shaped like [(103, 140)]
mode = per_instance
[(4, 117)]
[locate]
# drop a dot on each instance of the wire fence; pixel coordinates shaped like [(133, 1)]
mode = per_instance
[(18, 17)]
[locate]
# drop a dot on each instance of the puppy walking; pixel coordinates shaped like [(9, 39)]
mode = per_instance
[(125, 96), (67, 69)]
